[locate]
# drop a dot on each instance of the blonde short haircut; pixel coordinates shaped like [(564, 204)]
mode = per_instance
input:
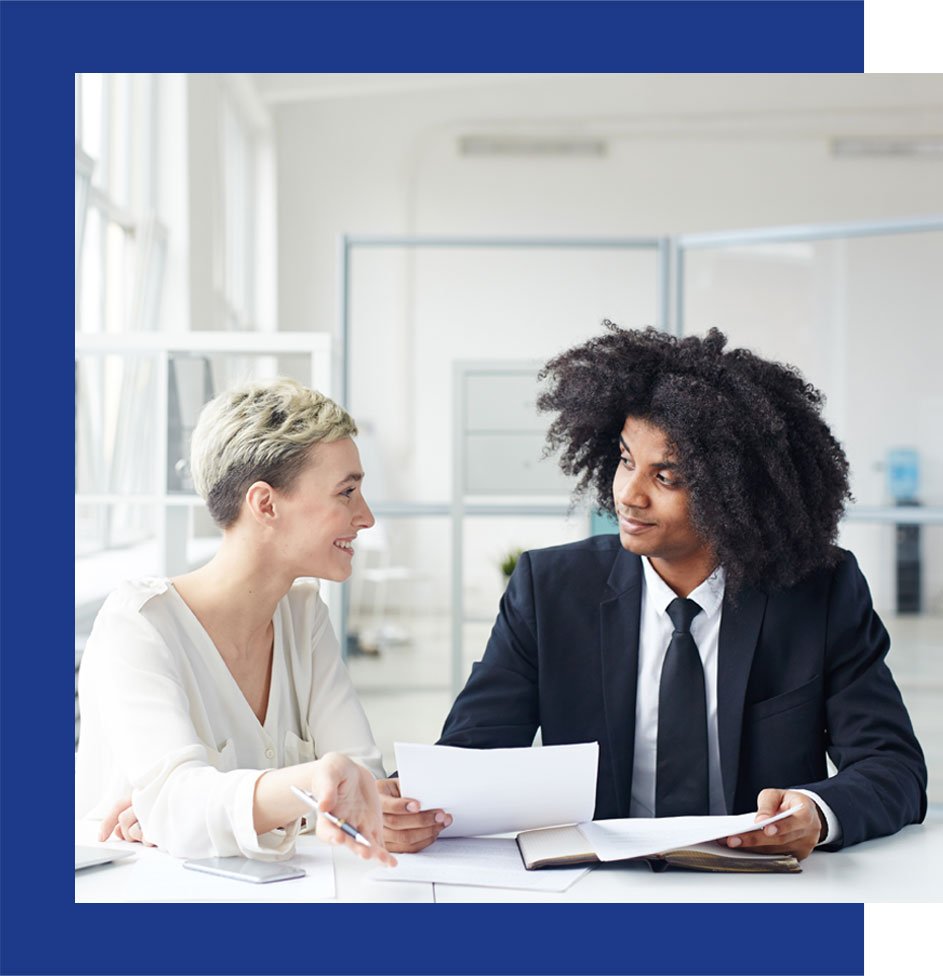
[(260, 431)]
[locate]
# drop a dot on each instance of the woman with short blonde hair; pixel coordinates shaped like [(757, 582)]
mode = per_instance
[(204, 698)]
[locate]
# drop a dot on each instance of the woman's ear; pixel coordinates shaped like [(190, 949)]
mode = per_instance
[(260, 501)]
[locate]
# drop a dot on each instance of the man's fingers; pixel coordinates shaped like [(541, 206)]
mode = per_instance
[(768, 804), (410, 821), (399, 805), (388, 787), (795, 835)]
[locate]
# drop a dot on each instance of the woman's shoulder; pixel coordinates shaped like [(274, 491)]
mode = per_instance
[(131, 596), (125, 624)]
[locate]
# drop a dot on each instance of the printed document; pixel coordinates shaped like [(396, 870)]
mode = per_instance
[(489, 862), (497, 791), (617, 840)]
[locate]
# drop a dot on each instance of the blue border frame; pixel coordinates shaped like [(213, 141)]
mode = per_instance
[(41, 46)]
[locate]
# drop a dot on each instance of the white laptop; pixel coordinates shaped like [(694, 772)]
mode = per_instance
[(86, 857)]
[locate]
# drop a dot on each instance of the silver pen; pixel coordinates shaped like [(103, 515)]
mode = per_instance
[(348, 829)]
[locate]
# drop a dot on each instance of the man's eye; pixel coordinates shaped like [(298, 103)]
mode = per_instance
[(347, 492), (668, 482)]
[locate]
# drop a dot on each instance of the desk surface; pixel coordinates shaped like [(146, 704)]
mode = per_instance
[(903, 868)]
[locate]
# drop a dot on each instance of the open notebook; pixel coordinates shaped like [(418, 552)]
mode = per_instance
[(686, 842), (554, 846)]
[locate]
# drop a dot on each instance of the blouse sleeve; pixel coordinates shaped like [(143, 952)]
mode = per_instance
[(132, 686), (335, 716)]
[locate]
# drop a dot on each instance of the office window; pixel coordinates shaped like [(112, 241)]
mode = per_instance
[(237, 166), (114, 139)]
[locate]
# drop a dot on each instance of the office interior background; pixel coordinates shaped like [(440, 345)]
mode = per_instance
[(417, 245)]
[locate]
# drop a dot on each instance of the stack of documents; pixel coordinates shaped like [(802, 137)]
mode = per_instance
[(494, 791), (523, 792)]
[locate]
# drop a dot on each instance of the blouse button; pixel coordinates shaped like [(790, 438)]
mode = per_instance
[(269, 753)]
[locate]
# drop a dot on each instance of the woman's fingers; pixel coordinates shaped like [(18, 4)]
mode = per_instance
[(110, 820), (128, 826), (327, 831)]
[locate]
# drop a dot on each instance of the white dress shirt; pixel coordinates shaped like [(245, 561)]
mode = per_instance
[(164, 721), (655, 629)]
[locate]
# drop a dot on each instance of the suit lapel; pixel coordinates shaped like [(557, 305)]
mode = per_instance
[(739, 632), (619, 613)]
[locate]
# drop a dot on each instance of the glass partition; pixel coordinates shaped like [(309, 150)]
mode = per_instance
[(414, 311), (859, 309), (862, 318)]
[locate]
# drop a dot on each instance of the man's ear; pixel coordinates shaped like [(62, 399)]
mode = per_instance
[(260, 501)]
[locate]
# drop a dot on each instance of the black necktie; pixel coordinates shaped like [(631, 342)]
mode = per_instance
[(681, 771)]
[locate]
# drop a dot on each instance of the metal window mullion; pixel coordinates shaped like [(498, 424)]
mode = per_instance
[(663, 284), (342, 356), (160, 447), (457, 526), (811, 232), (678, 272), (340, 373), (111, 211)]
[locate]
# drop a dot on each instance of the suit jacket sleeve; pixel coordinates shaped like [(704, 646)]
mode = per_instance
[(498, 706), (881, 782)]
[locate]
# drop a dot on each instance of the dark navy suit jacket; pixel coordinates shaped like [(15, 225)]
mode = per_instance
[(800, 673)]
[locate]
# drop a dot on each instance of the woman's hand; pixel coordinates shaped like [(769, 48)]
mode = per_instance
[(406, 828), (349, 791), (122, 823)]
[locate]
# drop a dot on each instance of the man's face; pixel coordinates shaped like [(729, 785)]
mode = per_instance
[(652, 503)]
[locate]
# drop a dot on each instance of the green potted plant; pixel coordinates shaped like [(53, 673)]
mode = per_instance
[(508, 563)]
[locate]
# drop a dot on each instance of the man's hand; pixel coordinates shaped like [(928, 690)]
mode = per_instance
[(122, 822), (795, 835), (406, 828)]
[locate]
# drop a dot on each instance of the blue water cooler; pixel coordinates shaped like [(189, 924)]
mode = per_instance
[(903, 473)]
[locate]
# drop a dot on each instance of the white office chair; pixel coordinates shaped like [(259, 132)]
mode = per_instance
[(377, 632)]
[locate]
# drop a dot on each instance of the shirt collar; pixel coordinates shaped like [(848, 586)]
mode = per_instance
[(709, 595)]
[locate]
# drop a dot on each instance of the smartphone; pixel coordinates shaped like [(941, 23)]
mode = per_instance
[(242, 869)]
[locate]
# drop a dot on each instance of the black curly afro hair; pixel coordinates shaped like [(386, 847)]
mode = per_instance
[(767, 480)]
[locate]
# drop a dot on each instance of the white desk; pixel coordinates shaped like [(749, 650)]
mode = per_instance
[(903, 868), (154, 876)]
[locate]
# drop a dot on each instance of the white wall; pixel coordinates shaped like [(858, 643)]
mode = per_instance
[(685, 154)]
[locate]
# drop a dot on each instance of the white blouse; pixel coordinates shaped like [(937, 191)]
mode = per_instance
[(164, 721)]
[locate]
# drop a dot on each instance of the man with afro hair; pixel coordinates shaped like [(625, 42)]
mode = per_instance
[(721, 646)]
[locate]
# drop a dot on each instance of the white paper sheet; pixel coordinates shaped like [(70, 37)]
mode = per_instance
[(488, 862), (613, 840), (497, 791)]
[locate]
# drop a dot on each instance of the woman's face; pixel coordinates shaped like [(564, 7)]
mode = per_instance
[(321, 513)]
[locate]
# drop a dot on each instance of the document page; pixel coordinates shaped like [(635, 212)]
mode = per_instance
[(489, 862), (613, 840), (497, 791)]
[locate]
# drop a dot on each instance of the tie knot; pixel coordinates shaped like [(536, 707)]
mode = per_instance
[(682, 612)]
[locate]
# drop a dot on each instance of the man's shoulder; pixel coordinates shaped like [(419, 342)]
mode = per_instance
[(598, 553), (841, 566), (606, 543), (839, 578)]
